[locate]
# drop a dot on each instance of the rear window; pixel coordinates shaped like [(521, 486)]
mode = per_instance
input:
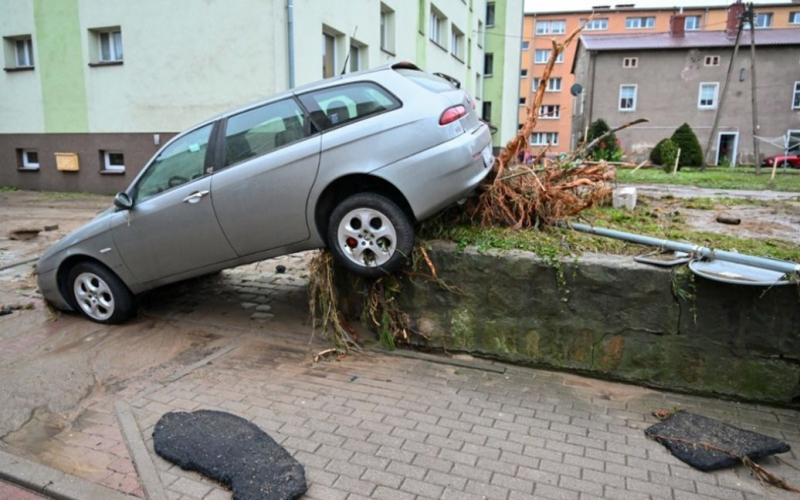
[(426, 80), (335, 106)]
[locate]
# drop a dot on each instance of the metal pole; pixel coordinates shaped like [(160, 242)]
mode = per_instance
[(724, 95), (756, 147), (700, 251), (290, 28)]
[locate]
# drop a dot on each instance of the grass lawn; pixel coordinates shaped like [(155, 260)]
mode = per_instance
[(715, 177)]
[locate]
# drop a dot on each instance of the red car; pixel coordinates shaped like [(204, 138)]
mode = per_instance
[(790, 160)]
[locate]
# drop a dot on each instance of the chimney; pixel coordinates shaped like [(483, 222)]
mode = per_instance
[(735, 13), (677, 25)]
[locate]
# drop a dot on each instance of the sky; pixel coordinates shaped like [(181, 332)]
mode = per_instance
[(567, 5)]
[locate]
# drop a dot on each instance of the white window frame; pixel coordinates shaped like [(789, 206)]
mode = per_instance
[(698, 26), (25, 163), (523, 73), (630, 62), (494, 14), (491, 69), (735, 154), (700, 95), (551, 84), (542, 138), (766, 16), (709, 61), (794, 18), (545, 113), (437, 27), (335, 56), (796, 96), (387, 29), (457, 42), (107, 166), (635, 98), (549, 27), (358, 60), (600, 24), (112, 45), (27, 52), (641, 23), (559, 59)]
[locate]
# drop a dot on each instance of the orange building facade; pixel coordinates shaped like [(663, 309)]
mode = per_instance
[(555, 117)]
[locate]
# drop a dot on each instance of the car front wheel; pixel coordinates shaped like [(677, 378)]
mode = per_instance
[(99, 294), (370, 235)]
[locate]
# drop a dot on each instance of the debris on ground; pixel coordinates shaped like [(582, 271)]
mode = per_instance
[(231, 450), (23, 234), (5, 310), (724, 219), (280, 269), (708, 444), (53, 227)]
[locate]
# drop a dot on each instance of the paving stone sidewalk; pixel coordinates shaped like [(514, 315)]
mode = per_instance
[(13, 492), (383, 427)]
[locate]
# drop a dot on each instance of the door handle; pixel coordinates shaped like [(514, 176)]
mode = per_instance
[(195, 197)]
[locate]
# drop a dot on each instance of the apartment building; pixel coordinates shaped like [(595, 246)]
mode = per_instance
[(91, 89), (678, 77), (555, 126)]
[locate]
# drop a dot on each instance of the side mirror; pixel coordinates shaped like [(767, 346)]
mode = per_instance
[(123, 201)]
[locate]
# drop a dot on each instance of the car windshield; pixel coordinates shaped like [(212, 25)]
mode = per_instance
[(426, 80)]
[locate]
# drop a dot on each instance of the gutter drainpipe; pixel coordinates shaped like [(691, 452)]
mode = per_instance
[(290, 29)]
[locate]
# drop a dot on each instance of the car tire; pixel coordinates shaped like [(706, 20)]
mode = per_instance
[(370, 235), (98, 294)]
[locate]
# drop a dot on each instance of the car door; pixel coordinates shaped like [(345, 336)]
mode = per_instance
[(270, 157), (171, 228)]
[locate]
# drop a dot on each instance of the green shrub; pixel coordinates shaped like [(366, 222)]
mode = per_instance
[(655, 153), (691, 151), (609, 148), (668, 152)]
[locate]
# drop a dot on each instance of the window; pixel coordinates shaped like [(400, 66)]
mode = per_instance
[(182, 161), (550, 112), (387, 29), (109, 44), (355, 57), (794, 18), (478, 87), (595, 24), (30, 159), (481, 34), (796, 96), (19, 52), (487, 111), (544, 138), (523, 73), (490, 10), (488, 64), (707, 97), (521, 101), (692, 23), (262, 130), (526, 45), (457, 43), (542, 56), (437, 27), (627, 97), (113, 161), (551, 27), (336, 106), (328, 55), (633, 23), (712, 60), (763, 20), (630, 62), (553, 84)]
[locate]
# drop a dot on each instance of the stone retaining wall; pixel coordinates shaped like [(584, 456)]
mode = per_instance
[(609, 316)]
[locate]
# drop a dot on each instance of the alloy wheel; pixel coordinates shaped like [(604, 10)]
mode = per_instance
[(94, 296), (367, 237)]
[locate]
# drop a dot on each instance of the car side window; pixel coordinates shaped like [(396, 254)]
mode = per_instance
[(335, 106), (181, 162), (261, 130)]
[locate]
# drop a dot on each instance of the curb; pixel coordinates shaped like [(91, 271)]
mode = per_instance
[(148, 474), (53, 483)]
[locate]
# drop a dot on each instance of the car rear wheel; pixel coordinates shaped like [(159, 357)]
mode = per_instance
[(99, 294), (370, 235)]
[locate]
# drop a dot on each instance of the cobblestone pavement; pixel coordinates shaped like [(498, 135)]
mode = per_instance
[(12, 492)]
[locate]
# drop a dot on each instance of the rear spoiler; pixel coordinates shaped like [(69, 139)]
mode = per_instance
[(412, 66)]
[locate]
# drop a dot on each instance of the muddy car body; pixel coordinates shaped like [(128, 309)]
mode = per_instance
[(351, 163)]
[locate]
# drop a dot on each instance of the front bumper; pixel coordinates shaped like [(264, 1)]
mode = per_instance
[(48, 286)]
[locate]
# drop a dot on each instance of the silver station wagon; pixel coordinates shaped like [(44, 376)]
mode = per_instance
[(351, 163)]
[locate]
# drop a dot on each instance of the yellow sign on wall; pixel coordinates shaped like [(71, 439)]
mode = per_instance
[(67, 162)]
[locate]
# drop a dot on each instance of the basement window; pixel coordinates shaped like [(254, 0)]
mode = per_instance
[(29, 159), (113, 161)]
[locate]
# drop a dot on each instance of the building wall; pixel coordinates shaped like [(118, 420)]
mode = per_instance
[(667, 94), (712, 19)]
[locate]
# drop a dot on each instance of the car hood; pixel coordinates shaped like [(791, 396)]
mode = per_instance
[(92, 228)]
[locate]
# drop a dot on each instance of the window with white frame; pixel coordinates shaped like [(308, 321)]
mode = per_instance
[(490, 14), (488, 64), (711, 61), (550, 111), (796, 96), (630, 62), (763, 20), (521, 101), (551, 27), (30, 159), (22, 49), (553, 84), (707, 97), (481, 34), (794, 18), (627, 97), (526, 45), (635, 23), (523, 73), (478, 87), (543, 55), (544, 138), (387, 29), (457, 42), (437, 27), (595, 24), (355, 57), (328, 55), (109, 44), (113, 161), (692, 23)]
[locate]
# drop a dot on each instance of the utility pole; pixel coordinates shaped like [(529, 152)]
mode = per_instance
[(756, 152), (724, 95)]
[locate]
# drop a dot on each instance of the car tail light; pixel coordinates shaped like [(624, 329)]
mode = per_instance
[(452, 114)]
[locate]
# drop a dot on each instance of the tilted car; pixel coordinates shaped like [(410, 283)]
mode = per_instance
[(351, 163)]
